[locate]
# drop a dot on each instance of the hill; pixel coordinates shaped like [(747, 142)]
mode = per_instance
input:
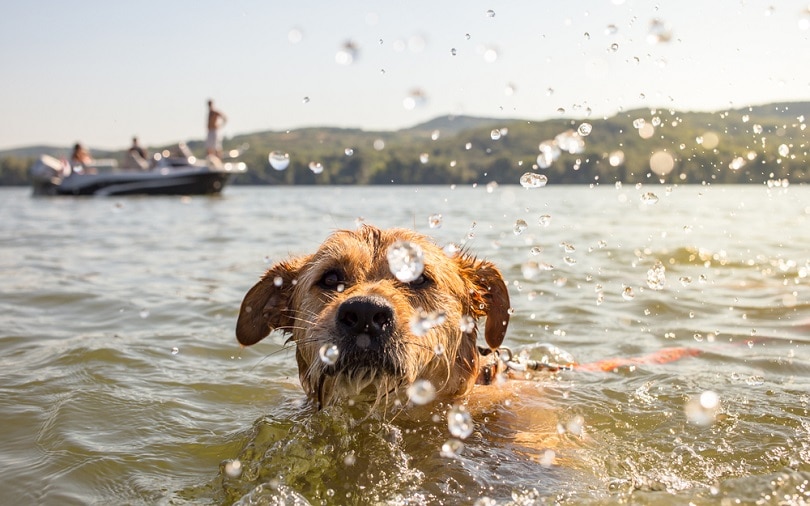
[(757, 144)]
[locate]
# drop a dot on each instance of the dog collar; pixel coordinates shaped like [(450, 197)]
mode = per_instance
[(502, 360)]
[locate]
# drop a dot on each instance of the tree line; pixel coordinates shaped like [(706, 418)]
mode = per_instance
[(751, 146)]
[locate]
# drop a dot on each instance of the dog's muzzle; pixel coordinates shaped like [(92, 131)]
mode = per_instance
[(365, 327)]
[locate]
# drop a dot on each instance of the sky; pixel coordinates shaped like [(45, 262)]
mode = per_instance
[(100, 72)]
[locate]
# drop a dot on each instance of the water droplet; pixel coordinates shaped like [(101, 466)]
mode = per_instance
[(649, 198), (466, 324), (490, 55), (804, 19), (435, 221), (278, 281), (316, 167), (347, 53), (575, 425), (702, 410), (784, 150), (656, 276), (329, 353), (613, 47), (421, 392), (305, 100), (584, 129), (611, 29), (405, 260), (616, 158), (233, 468), (495, 134), (416, 98), (520, 226), (453, 51), (438, 349), (659, 32), (452, 448), (451, 250), (532, 180), (490, 13), (544, 220), (570, 142), (627, 293), (638, 123), (459, 421), (662, 163), (348, 151), (567, 247), (295, 35), (279, 160), (144, 313), (422, 321), (737, 163), (549, 152), (536, 250), (756, 128), (175, 350)]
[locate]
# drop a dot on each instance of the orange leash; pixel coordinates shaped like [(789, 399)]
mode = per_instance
[(663, 356)]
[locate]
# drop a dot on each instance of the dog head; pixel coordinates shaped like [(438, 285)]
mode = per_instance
[(358, 329)]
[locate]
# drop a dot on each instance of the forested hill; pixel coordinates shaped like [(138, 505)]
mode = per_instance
[(748, 145)]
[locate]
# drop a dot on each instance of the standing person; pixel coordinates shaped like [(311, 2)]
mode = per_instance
[(136, 156), (216, 120), (137, 149)]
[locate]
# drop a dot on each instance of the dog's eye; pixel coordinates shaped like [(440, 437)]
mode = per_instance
[(331, 280), (421, 282)]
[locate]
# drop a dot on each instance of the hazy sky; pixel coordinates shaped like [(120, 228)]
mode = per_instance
[(102, 71)]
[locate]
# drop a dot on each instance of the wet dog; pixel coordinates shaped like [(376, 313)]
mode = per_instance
[(362, 329)]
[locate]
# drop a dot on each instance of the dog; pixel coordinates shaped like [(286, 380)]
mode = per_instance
[(360, 331)]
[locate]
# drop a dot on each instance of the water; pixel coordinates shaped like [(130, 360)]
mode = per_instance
[(122, 382)]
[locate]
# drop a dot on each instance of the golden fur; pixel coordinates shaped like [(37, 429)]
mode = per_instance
[(345, 295)]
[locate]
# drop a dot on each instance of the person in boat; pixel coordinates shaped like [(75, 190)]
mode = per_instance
[(136, 157), (80, 159), (216, 120)]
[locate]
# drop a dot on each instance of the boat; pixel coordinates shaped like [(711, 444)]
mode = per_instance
[(166, 175)]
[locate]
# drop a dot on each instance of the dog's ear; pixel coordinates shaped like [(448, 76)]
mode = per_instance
[(266, 305), (492, 300)]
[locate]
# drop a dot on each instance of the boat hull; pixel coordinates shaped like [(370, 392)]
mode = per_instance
[(188, 180)]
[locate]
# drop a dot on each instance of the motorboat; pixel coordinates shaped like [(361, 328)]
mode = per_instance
[(165, 175)]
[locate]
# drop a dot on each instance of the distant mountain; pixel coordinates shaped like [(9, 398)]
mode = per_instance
[(454, 124), (57, 151)]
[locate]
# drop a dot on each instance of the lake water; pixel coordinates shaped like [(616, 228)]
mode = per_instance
[(122, 382)]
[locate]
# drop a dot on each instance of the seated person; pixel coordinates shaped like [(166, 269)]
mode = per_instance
[(80, 159)]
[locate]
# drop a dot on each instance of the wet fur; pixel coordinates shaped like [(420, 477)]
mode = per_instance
[(293, 297)]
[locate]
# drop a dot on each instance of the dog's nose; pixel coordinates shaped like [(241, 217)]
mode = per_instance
[(369, 315)]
